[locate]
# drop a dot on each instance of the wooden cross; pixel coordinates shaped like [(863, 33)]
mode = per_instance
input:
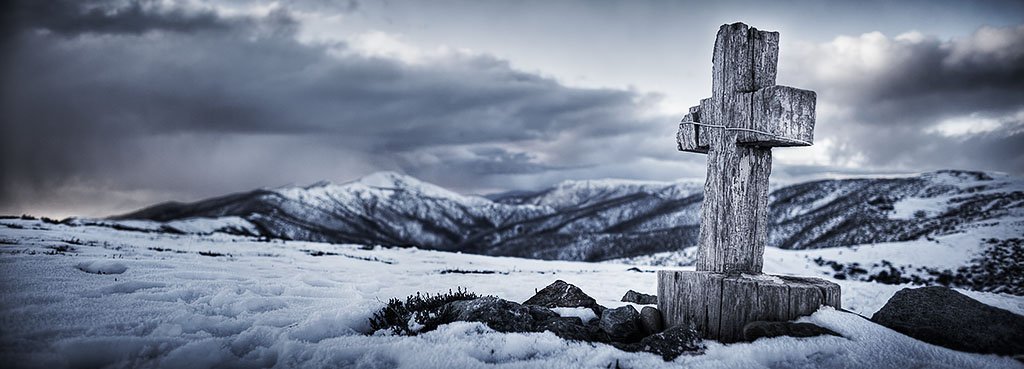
[(746, 115)]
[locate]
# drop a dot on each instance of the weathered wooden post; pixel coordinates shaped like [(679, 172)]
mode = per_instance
[(746, 115)]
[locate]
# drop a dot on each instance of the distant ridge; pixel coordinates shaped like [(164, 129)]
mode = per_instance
[(592, 220)]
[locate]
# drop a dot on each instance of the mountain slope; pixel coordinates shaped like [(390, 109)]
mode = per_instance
[(607, 219), (384, 208)]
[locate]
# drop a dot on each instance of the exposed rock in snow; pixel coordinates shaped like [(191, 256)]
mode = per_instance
[(622, 324), (651, 320), (639, 298), (570, 328), (761, 329), (500, 315), (673, 342), (562, 294), (941, 316)]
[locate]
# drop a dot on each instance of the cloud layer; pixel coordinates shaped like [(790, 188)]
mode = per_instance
[(913, 101), (107, 106), (183, 106)]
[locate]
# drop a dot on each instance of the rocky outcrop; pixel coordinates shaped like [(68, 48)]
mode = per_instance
[(651, 321), (760, 329), (944, 317), (562, 294), (622, 327), (500, 315), (639, 298), (622, 324)]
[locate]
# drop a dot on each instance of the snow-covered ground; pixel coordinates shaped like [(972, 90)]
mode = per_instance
[(90, 296)]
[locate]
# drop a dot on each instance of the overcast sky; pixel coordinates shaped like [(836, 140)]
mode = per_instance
[(107, 106)]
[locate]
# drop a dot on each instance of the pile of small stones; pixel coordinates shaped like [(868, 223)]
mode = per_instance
[(937, 315), (623, 327)]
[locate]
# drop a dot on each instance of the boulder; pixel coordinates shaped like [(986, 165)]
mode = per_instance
[(622, 324), (673, 342), (500, 315), (758, 329), (596, 334), (562, 294), (540, 313), (571, 328), (944, 317), (650, 320), (640, 298)]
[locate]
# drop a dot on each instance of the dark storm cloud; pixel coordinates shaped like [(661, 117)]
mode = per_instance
[(115, 105), (114, 109), (916, 102), (71, 17)]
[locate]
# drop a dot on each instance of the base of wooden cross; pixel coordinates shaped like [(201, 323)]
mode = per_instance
[(719, 304)]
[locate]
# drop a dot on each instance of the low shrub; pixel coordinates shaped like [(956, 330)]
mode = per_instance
[(419, 313)]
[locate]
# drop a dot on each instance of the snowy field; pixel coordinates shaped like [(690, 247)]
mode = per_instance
[(90, 296)]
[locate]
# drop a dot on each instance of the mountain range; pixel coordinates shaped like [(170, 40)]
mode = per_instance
[(588, 220)]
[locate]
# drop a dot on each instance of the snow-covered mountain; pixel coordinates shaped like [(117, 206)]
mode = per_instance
[(594, 220), (384, 208)]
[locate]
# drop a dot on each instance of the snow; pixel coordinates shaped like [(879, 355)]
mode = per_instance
[(949, 251), (585, 314), (101, 267), (374, 185), (913, 207), (272, 304), (918, 207), (197, 225), (574, 193)]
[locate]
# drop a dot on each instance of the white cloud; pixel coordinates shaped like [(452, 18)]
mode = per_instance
[(976, 123)]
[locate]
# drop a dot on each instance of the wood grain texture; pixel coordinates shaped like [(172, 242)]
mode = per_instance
[(785, 113), (688, 137), (733, 227), (719, 305), (728, 290)]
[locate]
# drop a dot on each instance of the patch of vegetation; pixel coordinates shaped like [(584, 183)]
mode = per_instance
[(318, 253), (212, 254), (418, 313), (161, 249), (638, 270), (461, 271), (59, 249), (368, 258), (999, 269)]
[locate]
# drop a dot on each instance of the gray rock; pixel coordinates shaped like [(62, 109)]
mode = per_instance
[(758, 329), (622, 324), (651, 321), (944, 317), (640, 298), (540, 313), (562, 294), (596, 334), (670, 344), (571, 328), (500, 315)]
